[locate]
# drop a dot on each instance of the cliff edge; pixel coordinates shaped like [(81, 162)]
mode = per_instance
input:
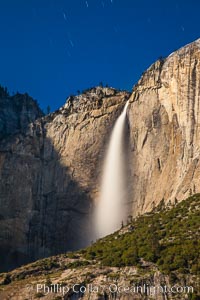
[(164, 118)]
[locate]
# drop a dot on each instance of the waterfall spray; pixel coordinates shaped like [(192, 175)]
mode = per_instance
[(110, 210)]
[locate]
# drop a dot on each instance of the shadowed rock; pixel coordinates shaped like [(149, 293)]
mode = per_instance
[(49, 177)]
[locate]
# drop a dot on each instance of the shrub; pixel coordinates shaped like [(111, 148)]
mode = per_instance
[(7, 279), (164, 238), (39, 295)]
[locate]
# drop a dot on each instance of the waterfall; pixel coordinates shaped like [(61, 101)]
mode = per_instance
[(110, 210)]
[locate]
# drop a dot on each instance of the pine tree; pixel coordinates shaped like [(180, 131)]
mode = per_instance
[(48, 109)]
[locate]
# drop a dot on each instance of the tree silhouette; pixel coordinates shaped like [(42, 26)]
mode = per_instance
[(48, 109), (3, 92)]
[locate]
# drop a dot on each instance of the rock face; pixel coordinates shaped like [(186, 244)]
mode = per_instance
[(49, 175), (164, 118), (97, 283), (50, 168), (16, 112)]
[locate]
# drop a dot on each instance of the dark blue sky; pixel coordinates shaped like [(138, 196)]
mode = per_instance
[(52, 48)]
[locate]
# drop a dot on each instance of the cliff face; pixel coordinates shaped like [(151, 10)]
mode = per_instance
[(49, 176), (16, 112), (164, 118), (50, 168)]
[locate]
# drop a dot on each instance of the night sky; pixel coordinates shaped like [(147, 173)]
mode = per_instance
[(52, 48)]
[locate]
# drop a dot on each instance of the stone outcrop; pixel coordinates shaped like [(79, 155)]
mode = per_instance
[(16, 112), (49, 177), (164, 118), (95, 283)]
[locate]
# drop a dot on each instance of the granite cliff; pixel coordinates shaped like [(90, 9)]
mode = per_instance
[(49, 176), (50, 168), (164, 118), (16, 112)]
